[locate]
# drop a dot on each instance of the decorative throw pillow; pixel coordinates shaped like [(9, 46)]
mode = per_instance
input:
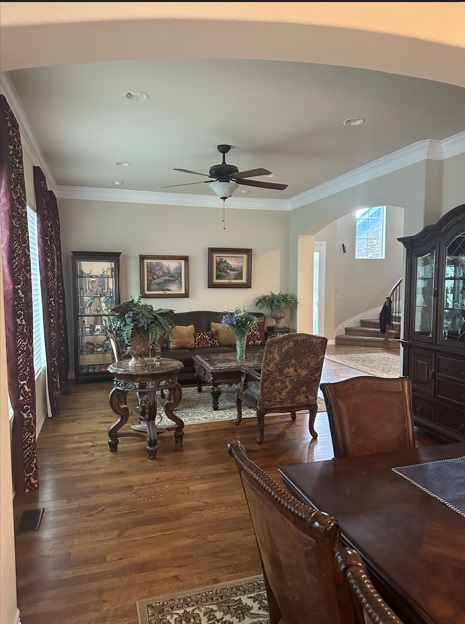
[(226, 337), (206, 339), (182, 337), (253, 338)]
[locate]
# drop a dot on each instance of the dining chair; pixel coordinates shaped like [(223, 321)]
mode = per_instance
[(368, 602), (297, 547), (369, 415), (288, 382)]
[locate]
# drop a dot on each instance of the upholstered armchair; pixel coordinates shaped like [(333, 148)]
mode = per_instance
[(288, 381)]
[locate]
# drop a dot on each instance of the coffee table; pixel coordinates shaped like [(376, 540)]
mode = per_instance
[(224, 368)]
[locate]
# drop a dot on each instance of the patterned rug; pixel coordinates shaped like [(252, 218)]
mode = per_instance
[(378, 364), (237, 602), (196, 407)]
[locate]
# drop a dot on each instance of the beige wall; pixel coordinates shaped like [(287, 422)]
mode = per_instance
[(418, 190), (140, 229), (453, 189)]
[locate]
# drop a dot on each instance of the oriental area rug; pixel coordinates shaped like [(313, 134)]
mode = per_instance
[(196, 407), (377, 364), (238, 602)]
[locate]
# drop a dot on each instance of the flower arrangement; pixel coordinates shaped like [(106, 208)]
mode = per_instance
[(239, 320)]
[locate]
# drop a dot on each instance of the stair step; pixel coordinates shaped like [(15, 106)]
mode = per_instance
[(374, 323), (361, 341), (369, 332)]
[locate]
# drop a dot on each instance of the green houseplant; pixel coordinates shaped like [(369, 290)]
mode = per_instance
[(138, 325), (277, 303)]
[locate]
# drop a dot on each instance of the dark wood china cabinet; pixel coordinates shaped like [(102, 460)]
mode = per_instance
[(434, 325)]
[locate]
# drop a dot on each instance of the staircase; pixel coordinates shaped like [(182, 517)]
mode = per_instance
[(367, 333)]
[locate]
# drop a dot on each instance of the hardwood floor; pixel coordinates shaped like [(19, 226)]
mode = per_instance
[(118, 528)]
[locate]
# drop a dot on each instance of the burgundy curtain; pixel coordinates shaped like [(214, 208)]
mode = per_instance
[(17, 293), (53, 295)]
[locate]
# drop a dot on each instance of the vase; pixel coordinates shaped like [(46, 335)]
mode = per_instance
[(278, 314), (241, 340), (139, 350)]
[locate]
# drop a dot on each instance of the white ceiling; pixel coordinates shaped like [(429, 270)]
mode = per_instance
[(284, 116)]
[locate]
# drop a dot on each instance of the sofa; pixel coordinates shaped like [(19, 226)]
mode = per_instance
[(200, 331)]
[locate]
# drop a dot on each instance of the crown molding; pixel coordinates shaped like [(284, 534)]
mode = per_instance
[(454, 145), (166, 199)]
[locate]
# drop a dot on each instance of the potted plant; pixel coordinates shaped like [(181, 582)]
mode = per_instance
[(277, 303), (138, 325)]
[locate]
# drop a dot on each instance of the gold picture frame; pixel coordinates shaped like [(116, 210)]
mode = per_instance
[(229, 268), (164, 276)]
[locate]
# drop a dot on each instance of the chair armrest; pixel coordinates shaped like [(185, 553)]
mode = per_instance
[(250, 373)]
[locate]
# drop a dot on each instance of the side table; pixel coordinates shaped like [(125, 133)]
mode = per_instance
[(145, 380), (272, 331)]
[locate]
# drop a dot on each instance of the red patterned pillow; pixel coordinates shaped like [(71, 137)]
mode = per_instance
[(206, 339), (253, 338)]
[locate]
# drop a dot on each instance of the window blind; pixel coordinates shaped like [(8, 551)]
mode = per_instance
[(38, 340)]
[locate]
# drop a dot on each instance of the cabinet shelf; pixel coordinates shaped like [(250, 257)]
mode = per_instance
[(95, 280)]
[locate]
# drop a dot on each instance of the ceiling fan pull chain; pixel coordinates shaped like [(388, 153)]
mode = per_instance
[(224, 214)]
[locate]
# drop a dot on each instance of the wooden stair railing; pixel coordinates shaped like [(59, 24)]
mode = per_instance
[(396, 309)]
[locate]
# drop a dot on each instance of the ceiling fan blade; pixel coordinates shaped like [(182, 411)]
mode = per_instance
[(194, 172), (267, 185), (186, 184), (251, 173)]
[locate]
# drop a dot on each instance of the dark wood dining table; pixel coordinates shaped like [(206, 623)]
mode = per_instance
[(412, 543)]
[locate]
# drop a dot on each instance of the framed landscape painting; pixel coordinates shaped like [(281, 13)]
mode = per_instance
[(164, 276), (229, 268)]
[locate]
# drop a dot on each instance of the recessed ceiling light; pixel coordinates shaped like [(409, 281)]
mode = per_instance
[(354, 121), (119, 182), (123, 163), (137, 96), (244, 191)]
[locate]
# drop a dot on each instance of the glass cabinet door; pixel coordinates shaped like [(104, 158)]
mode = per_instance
[(424, 295), (96, 292), (454, 290)]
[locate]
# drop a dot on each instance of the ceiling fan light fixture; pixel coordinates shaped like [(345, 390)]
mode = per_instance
[(223, 189)]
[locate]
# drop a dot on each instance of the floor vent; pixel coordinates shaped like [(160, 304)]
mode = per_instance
[(30, 520)]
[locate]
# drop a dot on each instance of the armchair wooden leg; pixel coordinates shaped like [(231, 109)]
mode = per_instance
[(293, 415), (261, 427), (311, 420), (238, 411)]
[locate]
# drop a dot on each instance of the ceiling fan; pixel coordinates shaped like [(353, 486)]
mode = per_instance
[(227, 178)]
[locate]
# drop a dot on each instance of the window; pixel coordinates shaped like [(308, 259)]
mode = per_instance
[(38, 341), (370, 233)]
